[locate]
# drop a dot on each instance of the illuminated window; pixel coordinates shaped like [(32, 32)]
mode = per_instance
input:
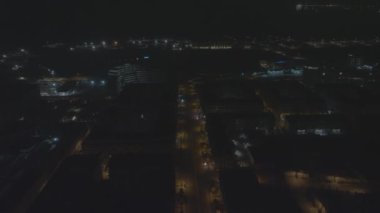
[(301, 132), (337, 131), (321, 132)]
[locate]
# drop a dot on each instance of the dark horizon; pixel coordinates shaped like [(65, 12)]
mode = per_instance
[(30, 22)]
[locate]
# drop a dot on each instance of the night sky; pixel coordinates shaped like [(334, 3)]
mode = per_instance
[(40, 20)]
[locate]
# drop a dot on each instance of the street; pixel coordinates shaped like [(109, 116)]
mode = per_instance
[(197, 178)]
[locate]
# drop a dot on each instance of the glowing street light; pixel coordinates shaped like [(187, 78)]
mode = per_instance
[(299, 7)]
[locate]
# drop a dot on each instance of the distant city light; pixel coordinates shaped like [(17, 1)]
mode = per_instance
[(243, 136), (299, 7), (238, 153), (72, 48), (22, 50), (247, 145), (55, 139), (5, 56), (16, 67), (235, 142), (92, 82), (146, 57), (103, 82)]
